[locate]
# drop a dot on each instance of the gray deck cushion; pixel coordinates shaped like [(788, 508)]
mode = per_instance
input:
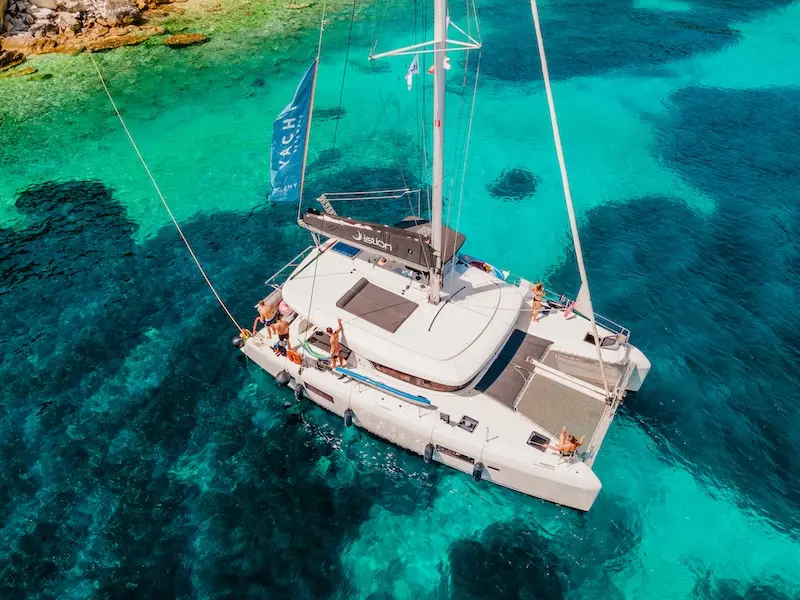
[(376, 305), (509, 372)]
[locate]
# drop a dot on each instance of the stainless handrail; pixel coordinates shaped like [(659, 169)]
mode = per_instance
[(295, 262), (603, 321)]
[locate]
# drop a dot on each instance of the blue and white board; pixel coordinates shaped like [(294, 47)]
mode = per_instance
[(382, 386)]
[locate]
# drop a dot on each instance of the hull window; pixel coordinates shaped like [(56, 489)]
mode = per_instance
[(454, 454), (418, 381), (319, 392)]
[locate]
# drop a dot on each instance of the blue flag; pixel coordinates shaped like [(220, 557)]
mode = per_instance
[(289, 133)]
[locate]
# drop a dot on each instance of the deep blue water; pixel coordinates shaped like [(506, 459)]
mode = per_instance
[(142, 457)]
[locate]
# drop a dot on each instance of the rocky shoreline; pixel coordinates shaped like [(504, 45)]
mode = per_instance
[(30, 27)]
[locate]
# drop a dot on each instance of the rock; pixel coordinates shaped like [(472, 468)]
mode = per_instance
[(182, 40), (68, 21), (18, 43), (10, 58), (18, 72), (43, 46), (40, 13), (121, 12), (514, 184), (51, 4), (109, 43)]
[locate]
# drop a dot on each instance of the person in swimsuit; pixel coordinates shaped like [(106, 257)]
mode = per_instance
[(567, 443), (267, 314), (336, 347), (282, 329), (538, 295)]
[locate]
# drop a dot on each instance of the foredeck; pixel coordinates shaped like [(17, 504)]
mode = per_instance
[(551, 400), (552, 405)]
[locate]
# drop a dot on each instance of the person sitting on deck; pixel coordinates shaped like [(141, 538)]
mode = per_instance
[(567, 443), (538, 295), (336, 347), (267, 314)]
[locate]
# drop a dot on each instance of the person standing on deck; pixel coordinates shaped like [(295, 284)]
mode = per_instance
[(282, 329), (538, 296), (267, 314), (336, 347)]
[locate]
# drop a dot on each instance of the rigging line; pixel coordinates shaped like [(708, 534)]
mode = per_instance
[(374, 27), (565, 184), (385, 112), (311, 108), (423, 117), (477, 21), (341, 89), (420, 176), (400, 166), (335, 132), (466, 155), (161, 196), (459, 138)]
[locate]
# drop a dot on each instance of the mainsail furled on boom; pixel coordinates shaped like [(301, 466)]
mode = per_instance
[(289, 140), (409, 241)]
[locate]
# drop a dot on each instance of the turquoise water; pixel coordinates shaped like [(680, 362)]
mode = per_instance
[(141, 457)]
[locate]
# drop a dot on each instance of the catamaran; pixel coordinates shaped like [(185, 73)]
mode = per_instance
[(439, 353)]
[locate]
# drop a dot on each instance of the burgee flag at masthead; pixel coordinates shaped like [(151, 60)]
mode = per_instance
[(412, 70)]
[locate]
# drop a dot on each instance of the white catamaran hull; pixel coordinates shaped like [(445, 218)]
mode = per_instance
[(496, 449), (541, 474)]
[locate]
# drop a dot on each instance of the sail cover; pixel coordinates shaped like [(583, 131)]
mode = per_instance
[(408, 241), (289, 134)]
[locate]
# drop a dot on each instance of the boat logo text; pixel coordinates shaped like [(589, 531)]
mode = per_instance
[(372, 241)]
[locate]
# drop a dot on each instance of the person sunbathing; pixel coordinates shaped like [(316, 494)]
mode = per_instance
[(567, 443)]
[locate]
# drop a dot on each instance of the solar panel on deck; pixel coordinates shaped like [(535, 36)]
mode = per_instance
[(343, 248)]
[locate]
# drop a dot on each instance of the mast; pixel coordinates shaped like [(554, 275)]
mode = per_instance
[(440, 46)]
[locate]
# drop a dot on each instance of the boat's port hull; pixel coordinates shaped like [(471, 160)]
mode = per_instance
[(414, 427), (642, 363)]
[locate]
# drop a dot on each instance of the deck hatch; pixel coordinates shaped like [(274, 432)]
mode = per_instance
[(468, 423)]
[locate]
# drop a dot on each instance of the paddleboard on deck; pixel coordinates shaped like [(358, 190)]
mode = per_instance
[(378, 385)]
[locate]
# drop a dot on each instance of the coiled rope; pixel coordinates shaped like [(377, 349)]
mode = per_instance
[(161, 196)]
